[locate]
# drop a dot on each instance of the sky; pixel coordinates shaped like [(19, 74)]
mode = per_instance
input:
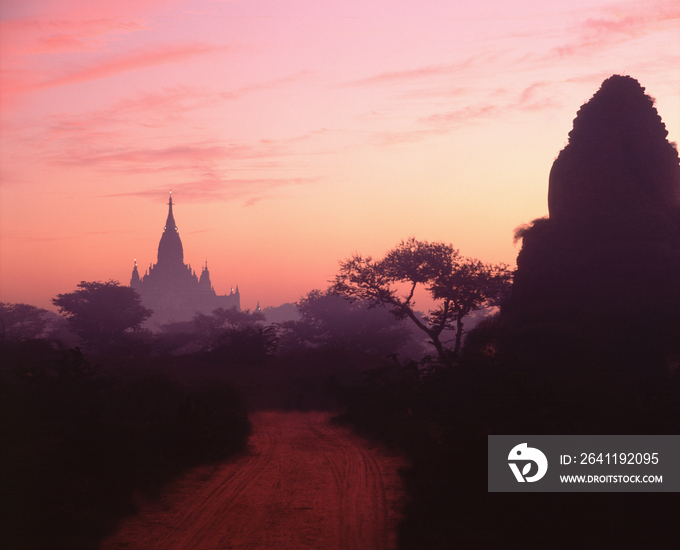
[(294, 133)]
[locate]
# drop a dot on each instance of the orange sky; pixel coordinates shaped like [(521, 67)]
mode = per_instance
[(294, 132)]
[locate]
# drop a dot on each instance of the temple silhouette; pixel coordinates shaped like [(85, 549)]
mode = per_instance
[(596, 289), (171, 288)]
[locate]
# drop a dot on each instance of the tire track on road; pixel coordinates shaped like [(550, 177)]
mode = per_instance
[(199, 524), (303, 484)]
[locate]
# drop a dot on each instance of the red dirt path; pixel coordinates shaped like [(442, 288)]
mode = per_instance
[(303, 484)]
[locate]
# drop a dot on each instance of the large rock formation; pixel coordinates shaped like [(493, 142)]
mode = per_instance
[(598, 281)]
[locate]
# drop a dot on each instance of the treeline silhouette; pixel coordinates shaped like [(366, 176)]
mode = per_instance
[(84, 435), (94, 409)]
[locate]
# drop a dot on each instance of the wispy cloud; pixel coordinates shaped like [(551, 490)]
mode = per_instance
[(528, 101), (619, 22), (177, 157), (31, 36), (129, 61), (429, 92), (267, 85), (33, 236), (421, 73), (150, 109), (464, 115), (535, 97), (387, 139), (214, 188), (53, 43), (402, 76)]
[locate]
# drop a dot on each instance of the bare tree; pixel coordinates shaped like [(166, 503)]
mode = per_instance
[(458, 285)]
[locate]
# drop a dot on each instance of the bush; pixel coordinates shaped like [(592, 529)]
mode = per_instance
[(77, 444)]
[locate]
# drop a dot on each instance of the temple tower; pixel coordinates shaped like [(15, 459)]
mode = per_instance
[(170, 251), (171, 289)]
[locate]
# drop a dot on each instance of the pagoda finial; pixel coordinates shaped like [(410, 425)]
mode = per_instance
[(170, 248), (170, 222), (135, 275)]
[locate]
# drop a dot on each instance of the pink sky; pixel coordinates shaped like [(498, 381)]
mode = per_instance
[(294, 132)]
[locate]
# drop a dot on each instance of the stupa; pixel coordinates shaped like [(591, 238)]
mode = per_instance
[(172, 289)]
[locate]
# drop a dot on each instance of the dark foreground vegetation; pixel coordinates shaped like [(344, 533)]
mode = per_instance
[(83, 438), (84, 434), (88, 432), (441, 420), (587, 342)]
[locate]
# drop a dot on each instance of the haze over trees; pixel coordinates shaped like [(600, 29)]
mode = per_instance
[(458, 286), (22, 321), (333, 321), (225, 331), (85, 436), (222, 319), (102, 314)]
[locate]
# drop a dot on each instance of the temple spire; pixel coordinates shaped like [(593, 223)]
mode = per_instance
[(205, 277), (134, 281), (170, 251), (170, 222)]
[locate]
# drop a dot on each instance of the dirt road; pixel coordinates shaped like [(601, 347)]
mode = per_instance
[(304, 484)]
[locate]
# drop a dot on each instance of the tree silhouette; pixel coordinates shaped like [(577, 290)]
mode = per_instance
[(22, 321), (212, 326), (102, 314), (248, 345), (458, 285)]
